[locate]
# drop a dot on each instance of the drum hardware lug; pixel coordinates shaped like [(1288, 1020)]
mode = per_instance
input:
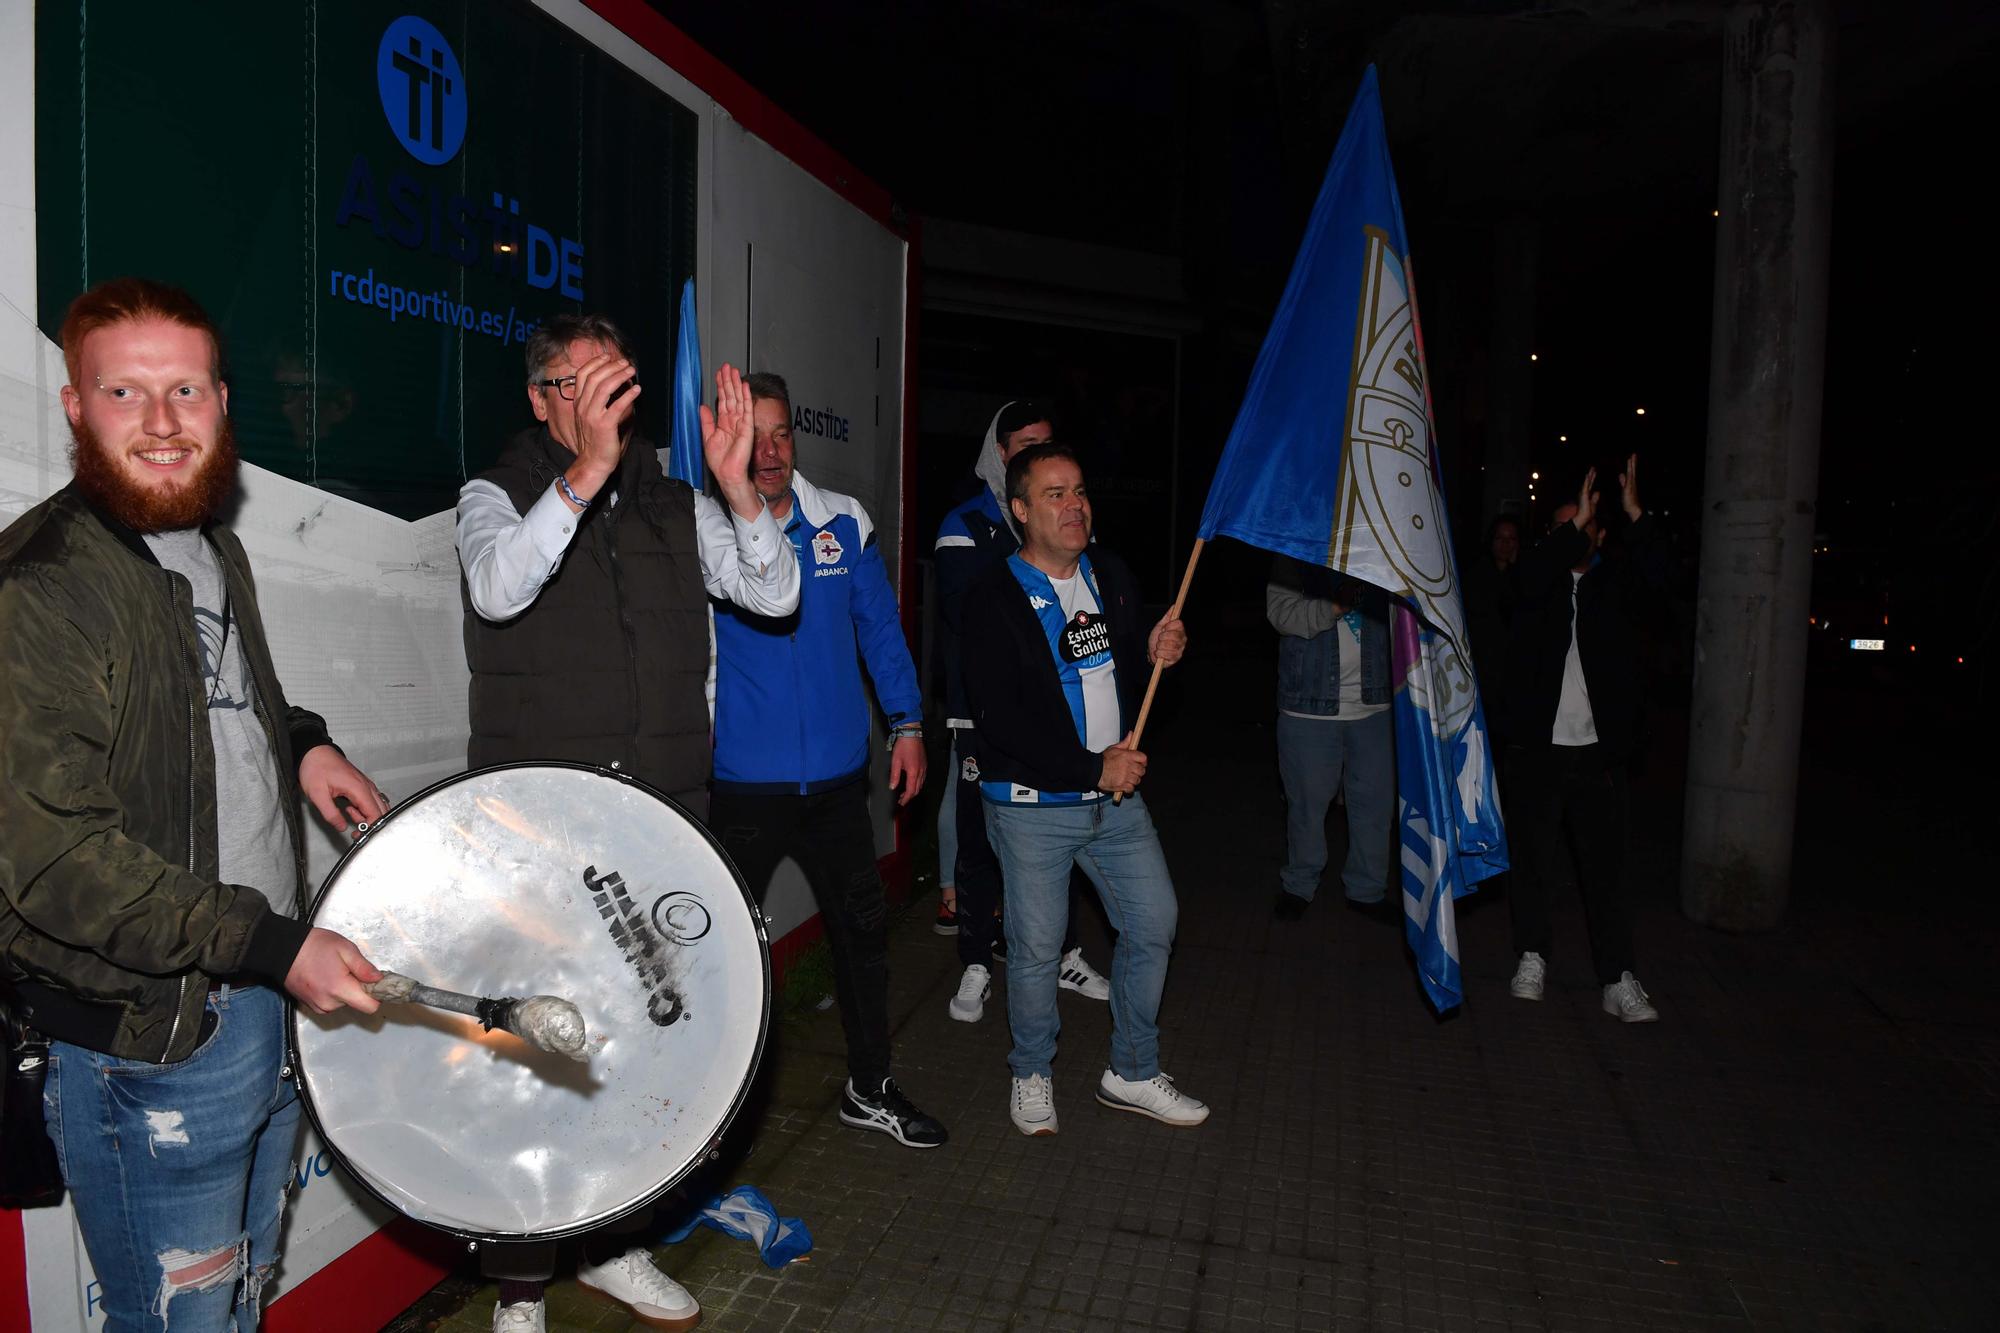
[(285, 1074), (472, 1247)]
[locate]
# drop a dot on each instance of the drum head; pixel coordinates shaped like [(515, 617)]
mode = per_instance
[(538, 880)]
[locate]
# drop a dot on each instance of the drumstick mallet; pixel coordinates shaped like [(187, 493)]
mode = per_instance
[(545, 1021)]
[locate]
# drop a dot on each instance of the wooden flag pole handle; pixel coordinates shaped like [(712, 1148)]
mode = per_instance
[(1153, 685)]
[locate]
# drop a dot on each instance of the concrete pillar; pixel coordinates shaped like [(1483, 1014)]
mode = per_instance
[(1510, 398), (1766, 364)]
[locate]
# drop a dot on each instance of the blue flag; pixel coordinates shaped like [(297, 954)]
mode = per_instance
[(1348, 479), (684, 459)]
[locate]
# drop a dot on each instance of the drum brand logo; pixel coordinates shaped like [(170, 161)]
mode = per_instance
[(681, 917), (643, 947)]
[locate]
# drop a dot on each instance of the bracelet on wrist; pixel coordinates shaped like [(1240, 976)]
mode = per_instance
[(562, 484)]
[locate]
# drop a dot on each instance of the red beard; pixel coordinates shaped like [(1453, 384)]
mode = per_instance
[(161, 508)]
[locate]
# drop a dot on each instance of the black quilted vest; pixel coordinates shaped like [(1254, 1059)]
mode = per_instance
[(610, 663)]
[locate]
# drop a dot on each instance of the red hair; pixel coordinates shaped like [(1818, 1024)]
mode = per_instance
[(125, 301)]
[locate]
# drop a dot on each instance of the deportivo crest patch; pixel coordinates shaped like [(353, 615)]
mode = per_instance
[(826, 547)]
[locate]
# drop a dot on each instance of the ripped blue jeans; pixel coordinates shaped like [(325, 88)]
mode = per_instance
[(179, 1172)]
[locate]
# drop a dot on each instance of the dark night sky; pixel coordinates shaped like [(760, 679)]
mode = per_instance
[(1200, 129)]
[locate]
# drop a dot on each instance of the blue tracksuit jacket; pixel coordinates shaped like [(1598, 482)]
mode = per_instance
[(791, 712)]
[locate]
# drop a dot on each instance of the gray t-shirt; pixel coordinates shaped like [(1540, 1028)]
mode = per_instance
[(256, 849)]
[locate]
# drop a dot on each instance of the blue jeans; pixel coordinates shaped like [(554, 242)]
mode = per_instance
[(1315, 757), (1118, 849), (180, 1172), (948, 822)]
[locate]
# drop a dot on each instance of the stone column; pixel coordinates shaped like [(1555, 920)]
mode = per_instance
[(1766, 365)]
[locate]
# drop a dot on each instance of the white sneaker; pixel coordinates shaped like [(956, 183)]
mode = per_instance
[(1527, 982), (521, 1317), (1156, 1097), (974, 988), (1081, 977), (1626, 1000), (655, 1299), (1033, 1109)]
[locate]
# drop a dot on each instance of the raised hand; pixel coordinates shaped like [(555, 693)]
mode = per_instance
[(726, 434), (1628, 488), (1586, 501), (600, 439)]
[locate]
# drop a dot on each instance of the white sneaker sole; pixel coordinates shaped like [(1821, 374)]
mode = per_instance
[(890, 1128), (1183, 1122), (974, 1014), (668, 1323), (1523, 993), (1036, 1129), (1648, 1016)]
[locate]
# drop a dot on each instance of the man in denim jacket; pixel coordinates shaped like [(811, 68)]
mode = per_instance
[(1334, 729)]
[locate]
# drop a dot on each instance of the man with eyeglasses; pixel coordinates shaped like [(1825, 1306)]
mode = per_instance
[(587, 577)]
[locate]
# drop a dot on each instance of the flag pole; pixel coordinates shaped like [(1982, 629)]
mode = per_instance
[(1153, 685)]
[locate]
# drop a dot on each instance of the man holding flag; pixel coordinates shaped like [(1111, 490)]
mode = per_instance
[(1351, 485), (1054, 651)]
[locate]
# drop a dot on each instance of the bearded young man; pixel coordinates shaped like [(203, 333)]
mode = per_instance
[(152, 871)]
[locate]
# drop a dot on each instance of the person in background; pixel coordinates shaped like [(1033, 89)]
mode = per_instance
[(1335, 731), (1568, 720)]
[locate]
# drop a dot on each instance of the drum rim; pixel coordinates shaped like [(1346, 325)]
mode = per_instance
[(736, 1103)]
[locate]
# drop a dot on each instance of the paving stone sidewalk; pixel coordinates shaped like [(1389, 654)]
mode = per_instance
[(1806, 1140)]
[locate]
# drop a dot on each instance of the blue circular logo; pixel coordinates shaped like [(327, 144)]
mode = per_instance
[(423, 89)]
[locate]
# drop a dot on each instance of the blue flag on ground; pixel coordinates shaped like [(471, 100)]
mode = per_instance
[(684, 458), (1330, 462)]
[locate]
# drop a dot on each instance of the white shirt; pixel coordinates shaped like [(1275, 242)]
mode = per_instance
[(1574, 723), (508, 556), (1100, 683)]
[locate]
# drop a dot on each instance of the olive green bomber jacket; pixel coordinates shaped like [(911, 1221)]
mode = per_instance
[(112, 918)]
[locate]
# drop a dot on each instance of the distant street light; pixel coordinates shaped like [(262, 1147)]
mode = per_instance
[(1640, 410), (1533, 357), (1562, 439)]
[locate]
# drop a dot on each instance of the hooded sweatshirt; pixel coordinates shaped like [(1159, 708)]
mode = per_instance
[(977, 535)]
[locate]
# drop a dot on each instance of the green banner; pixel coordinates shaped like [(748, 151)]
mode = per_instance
[(377, 203)]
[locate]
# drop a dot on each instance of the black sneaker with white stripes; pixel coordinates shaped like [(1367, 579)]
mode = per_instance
[(889, 1112)]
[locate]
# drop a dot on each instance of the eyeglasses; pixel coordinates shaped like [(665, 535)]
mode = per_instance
[(566, 386)]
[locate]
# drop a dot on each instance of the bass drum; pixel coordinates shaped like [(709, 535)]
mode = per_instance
[(538, 879)]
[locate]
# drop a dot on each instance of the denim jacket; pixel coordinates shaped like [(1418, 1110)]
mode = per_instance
[(1310, 641)]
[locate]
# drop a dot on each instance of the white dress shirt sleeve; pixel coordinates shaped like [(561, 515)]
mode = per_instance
[(507, 555), (746, 562)]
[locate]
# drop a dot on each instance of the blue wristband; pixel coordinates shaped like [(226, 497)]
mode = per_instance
[(562, 484)]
